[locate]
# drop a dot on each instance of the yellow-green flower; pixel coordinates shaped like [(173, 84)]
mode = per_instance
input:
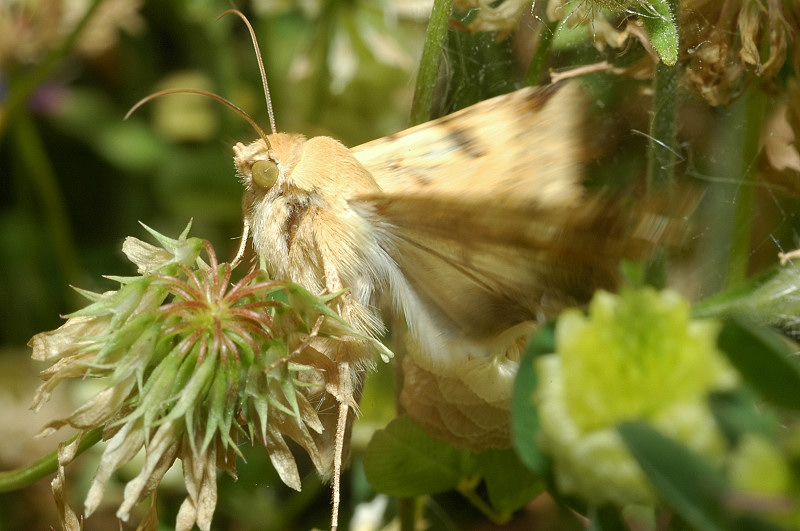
[(636, 356)]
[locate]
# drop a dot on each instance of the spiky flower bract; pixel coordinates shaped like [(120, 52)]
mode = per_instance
[(192, 364)]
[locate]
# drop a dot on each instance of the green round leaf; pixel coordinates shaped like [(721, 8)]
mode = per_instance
[(509, 485), (402, 460)]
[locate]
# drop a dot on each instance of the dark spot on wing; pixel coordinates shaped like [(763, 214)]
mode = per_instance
[(537, 98), (465, 141)]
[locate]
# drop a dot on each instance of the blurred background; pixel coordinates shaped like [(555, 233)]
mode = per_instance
[(75, 179)]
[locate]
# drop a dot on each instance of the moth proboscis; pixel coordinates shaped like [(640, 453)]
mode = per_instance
[(474, 226)]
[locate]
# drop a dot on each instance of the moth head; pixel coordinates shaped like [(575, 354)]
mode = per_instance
[(265, 163)]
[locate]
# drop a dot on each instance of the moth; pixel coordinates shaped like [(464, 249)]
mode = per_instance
[(474, 226)]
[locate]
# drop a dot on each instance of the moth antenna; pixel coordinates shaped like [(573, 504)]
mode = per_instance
[(207, 94), (260, 63)]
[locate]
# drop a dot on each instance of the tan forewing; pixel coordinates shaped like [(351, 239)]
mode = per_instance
[(523, 144), (481, 266)]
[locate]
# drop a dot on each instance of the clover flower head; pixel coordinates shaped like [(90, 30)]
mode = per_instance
[(636, 356), (192, 365)]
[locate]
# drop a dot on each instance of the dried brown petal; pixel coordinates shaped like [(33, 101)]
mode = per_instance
[(98, 409), (150, 520), (161, 453), (200, 477), (749, 23), (147, 257), (68, 519), (780, 143), (714, 72), (726, 40), (282, 458), (68, 339), (63, 369), (754, 19), (121, 448)]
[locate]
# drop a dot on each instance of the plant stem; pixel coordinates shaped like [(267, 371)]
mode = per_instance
[(663, 129), (40, 171), (407, 513), (744, 206), (467, 489), (22, 477), (429, 64), (546, 34), (320, 49), (661, 148)]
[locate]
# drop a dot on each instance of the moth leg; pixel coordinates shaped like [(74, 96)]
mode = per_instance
[(242, 242), (344, 397), (788, 257)]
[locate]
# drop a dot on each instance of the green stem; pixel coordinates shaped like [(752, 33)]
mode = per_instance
[(663, 129), (429, 64), (547, 32), (744, 206), (467, 489), (407, 513), (21, 89), (22, 477), (40, 171), (320, 48), (661, 149)]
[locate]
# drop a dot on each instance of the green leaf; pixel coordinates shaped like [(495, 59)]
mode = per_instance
[(509, 485), (737, 413), (764, 360), (524, 417), (402, 460), (689, 484), (660, 25)]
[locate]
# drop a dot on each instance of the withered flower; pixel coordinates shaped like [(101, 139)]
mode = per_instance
[(726, 42)]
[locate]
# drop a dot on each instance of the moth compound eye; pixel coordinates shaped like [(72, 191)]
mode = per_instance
[(265, 173)]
